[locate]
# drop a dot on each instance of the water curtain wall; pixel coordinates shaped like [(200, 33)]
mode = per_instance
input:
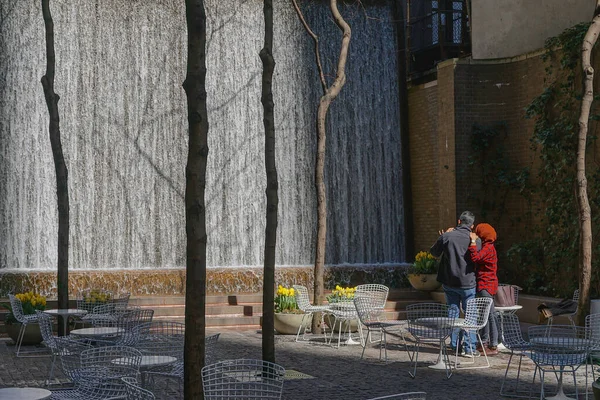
[(120, 67)]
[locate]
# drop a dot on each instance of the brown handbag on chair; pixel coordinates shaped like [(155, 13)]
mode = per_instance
[(505, 296)]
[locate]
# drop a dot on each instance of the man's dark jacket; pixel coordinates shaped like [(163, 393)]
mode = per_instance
[(456, 269)]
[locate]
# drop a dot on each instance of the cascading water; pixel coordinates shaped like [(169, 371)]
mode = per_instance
[(120, 66)]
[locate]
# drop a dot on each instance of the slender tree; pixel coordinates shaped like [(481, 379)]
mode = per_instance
[(62, 187), (329, 94), (585, 215), (195, 209), (266, 55)]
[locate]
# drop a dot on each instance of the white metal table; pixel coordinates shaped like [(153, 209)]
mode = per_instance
[(577, 343), (97, 332), (64, 314), (440, 322), (148, 362), (24, 393)]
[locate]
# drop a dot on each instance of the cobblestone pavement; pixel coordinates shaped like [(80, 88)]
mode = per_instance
[(336, 373)]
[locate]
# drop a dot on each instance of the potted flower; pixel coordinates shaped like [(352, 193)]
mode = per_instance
[(341, 295), (288, 317), (422, 275), (31, 302)]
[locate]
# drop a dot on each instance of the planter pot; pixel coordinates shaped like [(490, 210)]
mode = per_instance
[(32, 334), (596, 388), (288, 324), (424, 282), (330, 321)]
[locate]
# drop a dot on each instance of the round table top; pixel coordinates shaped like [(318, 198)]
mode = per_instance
[(149, 361), (440, 322), (24, 393), (66, 311), (509, 308), (98, 331)]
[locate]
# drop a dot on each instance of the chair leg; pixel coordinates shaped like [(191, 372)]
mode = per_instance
[(365, 345), (302, 325), (416, 358)]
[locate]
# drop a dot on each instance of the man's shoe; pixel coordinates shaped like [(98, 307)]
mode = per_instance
[(461, 351), (472, 354), (491, 351)]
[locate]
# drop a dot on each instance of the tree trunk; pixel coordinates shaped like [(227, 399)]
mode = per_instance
[(195, 210), (329, 94), (266, 55), (585, 219), (62, 187)]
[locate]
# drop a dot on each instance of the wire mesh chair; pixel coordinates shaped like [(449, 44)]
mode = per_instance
[(559, 349), (376, 290), (403, 396), (243, 379), (25, 319), (571, 315), (430, 323), (100, 373), (175, 370), (303, 300), (125, 321), (161, 338), (69, 351), (592, 323), (135, 392), (369, 310), (344, 312), (513, 340), (45, 322), (476, 317)]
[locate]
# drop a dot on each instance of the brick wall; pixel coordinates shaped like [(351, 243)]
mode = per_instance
[(441, 118)]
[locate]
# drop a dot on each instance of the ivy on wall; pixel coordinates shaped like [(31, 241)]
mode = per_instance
[(546, 261)]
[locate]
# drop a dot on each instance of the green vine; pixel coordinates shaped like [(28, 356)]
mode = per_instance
[(550, 256), (545, 262)]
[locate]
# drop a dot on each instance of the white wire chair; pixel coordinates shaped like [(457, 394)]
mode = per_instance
[(100, 373), (243, 379), (161, 338), (430, 323), (559, 349), (175, 370), (592, 323), (403, 396), (303, 300), (135, 392), (25, 319), (69, 351), (377, 290), (513, 340), (343, 313), (570, 315), (45, 322), (476, 317), (369, 309)]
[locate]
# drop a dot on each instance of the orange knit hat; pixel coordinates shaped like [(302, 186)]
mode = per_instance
[(486, 232)]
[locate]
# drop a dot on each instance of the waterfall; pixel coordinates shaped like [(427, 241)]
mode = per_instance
[(120, 65)]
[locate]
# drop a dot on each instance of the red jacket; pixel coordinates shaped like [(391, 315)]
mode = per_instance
[(486, 267)]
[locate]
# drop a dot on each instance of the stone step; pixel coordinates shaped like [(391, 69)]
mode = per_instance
[(243, 309)]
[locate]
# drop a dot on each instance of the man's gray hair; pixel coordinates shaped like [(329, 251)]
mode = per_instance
[(467, 218)]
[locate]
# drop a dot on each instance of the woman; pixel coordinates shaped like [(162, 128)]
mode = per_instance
[(486, 267)]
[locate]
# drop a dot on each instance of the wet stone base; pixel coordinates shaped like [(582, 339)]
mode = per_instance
[(165, 282)]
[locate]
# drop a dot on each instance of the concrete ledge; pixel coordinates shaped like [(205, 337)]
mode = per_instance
[(165, 282), (528, 314)]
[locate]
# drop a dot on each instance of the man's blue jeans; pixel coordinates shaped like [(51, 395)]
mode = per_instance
[(454, 298)]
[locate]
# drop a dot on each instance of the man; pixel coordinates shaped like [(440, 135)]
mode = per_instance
[(457, 273)]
